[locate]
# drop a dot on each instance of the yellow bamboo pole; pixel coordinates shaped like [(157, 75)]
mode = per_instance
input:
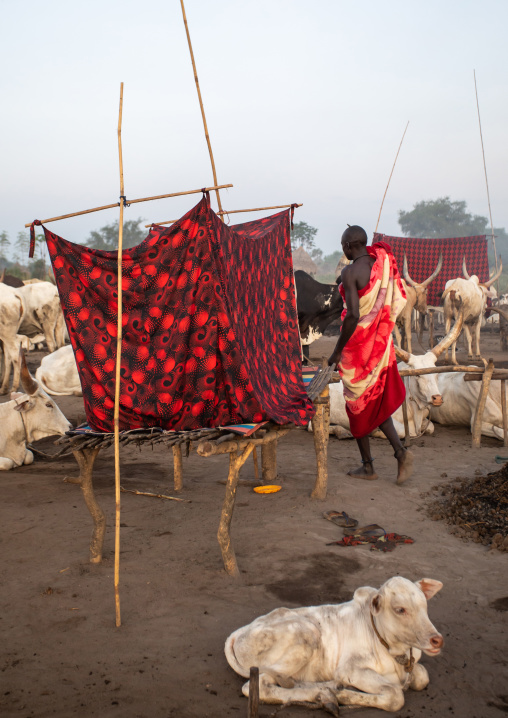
[(234, 211), (390, 177), (117, 372), (201, 104), (130, 201), (485, 170)]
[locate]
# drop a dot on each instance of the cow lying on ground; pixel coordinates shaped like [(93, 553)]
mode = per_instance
[(58, 373), (361, 653), (29, 416), (318, 304)]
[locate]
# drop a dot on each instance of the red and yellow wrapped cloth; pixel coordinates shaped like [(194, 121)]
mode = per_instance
[(373, 389)]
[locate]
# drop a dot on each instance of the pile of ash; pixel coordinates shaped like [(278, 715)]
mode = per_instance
[(477, 508)]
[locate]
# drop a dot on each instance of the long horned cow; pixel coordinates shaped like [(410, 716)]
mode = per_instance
[(470, 295), (416, 299), (422, 392)]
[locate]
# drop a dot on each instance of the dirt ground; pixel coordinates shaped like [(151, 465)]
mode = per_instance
[(61, 655)]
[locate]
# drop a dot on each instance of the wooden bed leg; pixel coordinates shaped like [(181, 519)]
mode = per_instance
[(256, 467), (223, 535), (86, 459), (253, 708), (321, 429), (480, 407), (269, 462), (503, 410), (177, 467)]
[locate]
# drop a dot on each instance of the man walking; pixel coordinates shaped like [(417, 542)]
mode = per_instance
[(373, 294)]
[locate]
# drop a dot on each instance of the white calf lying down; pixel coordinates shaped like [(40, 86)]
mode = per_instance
[(361, 653), (27, 417), (58, 373)]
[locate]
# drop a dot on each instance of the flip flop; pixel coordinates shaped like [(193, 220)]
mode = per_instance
[(370, 531), (340, 518)]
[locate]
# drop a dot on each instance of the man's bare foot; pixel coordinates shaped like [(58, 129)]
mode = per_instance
[(405, 459), (365, 471)]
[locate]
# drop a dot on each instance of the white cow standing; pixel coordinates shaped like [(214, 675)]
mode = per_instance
[(11, 312), (58, 373), (423, 392), (42, 312), (361, 653), (28, 417), (471, 296)]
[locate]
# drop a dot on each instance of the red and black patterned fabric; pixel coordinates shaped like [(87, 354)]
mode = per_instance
[(423, 256), (210, 333)]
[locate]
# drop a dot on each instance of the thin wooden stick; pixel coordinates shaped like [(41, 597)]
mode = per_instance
[(441, 370), (130, 201), (155, 496), (117, 372), (390, 177), (253, 707), (485, 170), (201, 104), (234, 211), (480, 407), (503, 412)]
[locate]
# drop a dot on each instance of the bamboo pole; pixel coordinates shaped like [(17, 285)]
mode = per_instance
[(390, 177), (131, 201), (485, 170), (234, 211), (201, 104), (117, 372)]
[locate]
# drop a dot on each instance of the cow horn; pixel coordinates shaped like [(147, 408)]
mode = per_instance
[(452, 335), (464, 269), (500, 310), (3, 275), (435, 272), (405, 272), (401, 354), (28, 383), (496, 275)]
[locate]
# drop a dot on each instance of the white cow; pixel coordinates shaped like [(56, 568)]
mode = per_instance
[(29, 416), (58, 373), (11, 312), (42, 313), (423, 392), (361, 653), (471, 296), (416, 299), (460, 399)]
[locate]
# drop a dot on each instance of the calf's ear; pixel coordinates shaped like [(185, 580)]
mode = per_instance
[(376, 603), (429, 587)]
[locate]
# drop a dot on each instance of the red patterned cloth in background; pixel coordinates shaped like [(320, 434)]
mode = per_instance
[(423, 256), (210, 331)]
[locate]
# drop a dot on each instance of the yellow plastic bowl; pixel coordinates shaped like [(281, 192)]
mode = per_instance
[(271, 489)]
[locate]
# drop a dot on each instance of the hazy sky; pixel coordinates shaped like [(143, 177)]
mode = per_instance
[(305, 101)]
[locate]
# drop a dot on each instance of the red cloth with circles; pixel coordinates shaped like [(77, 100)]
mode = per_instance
[(210, 332)]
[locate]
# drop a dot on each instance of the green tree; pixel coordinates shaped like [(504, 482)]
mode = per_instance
[(303, 235), (107, 237), (441, 218), (21, 247), (4, 244)]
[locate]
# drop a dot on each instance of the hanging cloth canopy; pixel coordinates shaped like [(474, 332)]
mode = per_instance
[(210, 331)]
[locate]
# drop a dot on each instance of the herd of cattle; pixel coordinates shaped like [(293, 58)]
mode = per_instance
[(30, 314)]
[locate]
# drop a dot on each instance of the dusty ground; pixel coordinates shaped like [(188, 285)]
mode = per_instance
[(61, 655)]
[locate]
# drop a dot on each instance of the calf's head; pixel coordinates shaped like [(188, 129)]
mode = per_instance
[(41, 416), (399, 610)]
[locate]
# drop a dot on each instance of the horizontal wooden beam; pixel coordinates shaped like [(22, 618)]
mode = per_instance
[(234, 211), (496, 374), (130, 201), (441, 370)]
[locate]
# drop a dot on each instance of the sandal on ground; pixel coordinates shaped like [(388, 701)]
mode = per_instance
[(340, 518)]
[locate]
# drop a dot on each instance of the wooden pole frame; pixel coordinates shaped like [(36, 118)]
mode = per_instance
[(131, 201), (117, 371), (390, 177), (235, 211), (203, 116), (485, 170)]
